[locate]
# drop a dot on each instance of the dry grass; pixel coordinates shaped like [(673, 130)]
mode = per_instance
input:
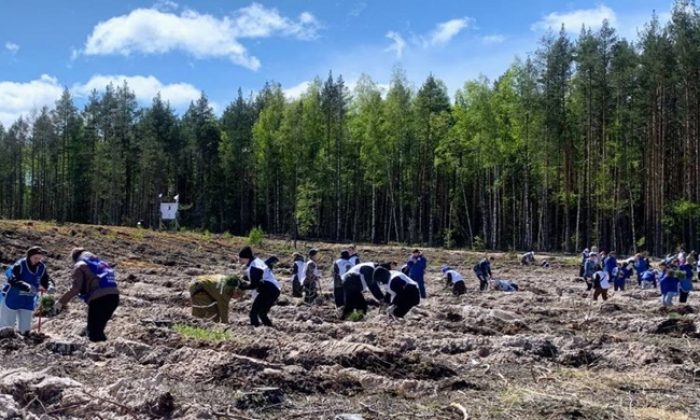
[(652, 413)]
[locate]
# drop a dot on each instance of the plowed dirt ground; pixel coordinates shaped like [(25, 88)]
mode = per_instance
[(547, 351)]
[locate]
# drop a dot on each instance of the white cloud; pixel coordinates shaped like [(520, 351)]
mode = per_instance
[(257, 21), (144, 87), (11, 47), (18, 98), (572, 21), (21, 98), (296, 91), (153, 31), (398, 45), (166, 5), (493, 39), (445, 31), (440, 36)]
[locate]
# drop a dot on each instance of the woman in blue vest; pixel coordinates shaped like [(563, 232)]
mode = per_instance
[(641, 264), (416, 269), (95, 283), (24, 280), (668, 283)]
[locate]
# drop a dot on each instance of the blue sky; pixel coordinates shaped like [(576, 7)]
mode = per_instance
[(183, 48)]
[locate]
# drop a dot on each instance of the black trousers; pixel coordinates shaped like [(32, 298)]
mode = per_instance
[(600, 292), (339, 295), (459, 288), (483, 281), (310, 290), (297, 289), (100, 311), (354, 299), (683, 297), (267, 296), (407, 299)]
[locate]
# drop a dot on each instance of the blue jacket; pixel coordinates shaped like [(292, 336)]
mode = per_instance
[(17, 299), (483, 267), (641, 265), (589, 268), (416, 267), (686, 284), (668, 284), (610, 264), (584, 257), (622, 275)]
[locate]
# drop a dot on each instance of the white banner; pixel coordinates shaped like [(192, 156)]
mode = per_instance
[(168, 211)]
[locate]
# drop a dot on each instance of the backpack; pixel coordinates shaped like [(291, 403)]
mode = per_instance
[(103, 272)]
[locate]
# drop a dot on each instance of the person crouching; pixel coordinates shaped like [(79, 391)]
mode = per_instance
[(356, 281), (455, 280), (211, 295), (401, 291), (94, 281), (264, 284)]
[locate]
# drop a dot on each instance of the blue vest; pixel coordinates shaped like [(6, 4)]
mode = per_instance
[(17, 299), (104, 273)]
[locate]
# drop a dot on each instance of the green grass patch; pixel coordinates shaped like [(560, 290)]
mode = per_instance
[(674, 315), (256, 236), (199, 333), (356, 316)]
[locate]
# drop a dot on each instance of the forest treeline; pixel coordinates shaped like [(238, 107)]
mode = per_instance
[(591, 140)]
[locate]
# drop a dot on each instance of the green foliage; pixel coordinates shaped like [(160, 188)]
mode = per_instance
[(686, 209), (307, 204), (641, 242), (588, 140), (256, 236), (46, 305), (232, 281), (479, 244), (449, 238), (199, 333), (356, 316)]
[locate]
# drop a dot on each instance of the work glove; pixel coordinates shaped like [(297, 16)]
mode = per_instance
[(23, 286), (51, 289), (57, 308)]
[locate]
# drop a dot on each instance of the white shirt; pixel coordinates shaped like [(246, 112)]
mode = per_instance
[(267, 273)]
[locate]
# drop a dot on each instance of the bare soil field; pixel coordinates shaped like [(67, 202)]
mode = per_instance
[(547, 351)]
